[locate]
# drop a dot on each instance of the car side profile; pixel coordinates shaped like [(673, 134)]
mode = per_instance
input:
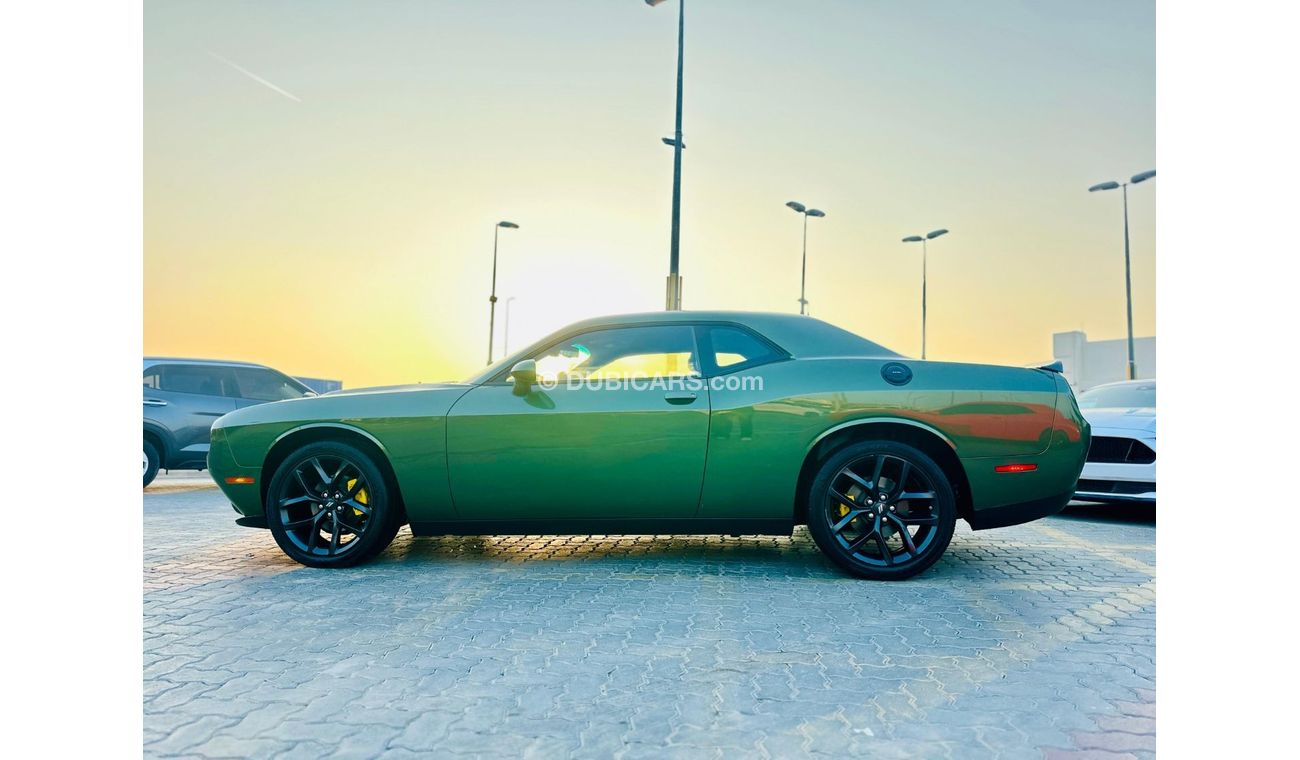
[(668, 422), (183, 397)]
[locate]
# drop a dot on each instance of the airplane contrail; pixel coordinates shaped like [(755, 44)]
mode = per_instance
[(255, 77)]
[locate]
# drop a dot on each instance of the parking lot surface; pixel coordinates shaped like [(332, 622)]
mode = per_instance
[(1034, 641)]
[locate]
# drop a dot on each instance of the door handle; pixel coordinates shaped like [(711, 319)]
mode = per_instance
[(679, 397), (154, 402)]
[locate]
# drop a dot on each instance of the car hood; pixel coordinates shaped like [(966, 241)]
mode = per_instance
[(395, 389), (1138, 419), (422, 400)]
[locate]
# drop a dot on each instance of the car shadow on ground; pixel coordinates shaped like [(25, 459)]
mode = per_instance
[(1140, 514), (797, 553)]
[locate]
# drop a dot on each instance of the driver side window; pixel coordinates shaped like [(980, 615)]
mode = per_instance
[(622, 353)]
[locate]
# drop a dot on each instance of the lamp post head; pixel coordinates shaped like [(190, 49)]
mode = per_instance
[(913, 239), (653, 3), (1143, 177), (816, 212), (932, 234), (797, 206), (1103, 186), (508, 225)]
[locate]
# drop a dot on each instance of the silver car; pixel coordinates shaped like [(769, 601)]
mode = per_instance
[(1121, 464), (183, 397)]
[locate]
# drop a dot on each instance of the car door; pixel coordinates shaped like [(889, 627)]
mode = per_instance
[(185, 399), (615, 429)]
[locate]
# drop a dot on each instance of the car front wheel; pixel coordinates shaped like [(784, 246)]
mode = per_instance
[(882, 510), (329, 505), (151, 463)]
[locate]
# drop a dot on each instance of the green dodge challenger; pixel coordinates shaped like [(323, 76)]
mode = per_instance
[(669, 422)]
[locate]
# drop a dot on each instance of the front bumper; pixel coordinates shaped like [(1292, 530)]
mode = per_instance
[(245, 497), (1119, 481), (1094, 489)]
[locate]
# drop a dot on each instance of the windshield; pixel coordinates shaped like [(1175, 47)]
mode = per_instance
[(1125, 396)]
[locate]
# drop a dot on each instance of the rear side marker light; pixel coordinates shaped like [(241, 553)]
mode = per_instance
[(1015, 468), (239, 481)]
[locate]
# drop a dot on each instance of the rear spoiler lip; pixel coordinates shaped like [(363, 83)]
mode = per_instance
[(1055, 366)]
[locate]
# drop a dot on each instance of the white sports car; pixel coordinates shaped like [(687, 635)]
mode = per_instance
[(1121, 464)]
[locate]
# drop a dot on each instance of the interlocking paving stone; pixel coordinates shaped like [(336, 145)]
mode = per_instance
[(1034, 641)]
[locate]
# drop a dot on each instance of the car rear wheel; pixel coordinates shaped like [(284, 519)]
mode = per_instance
[(329, 505), (151, 463), (882, 510)]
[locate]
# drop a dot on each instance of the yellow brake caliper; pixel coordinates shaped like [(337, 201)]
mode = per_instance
[(361, 497)]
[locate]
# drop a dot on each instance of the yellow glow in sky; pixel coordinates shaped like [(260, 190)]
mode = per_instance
[(322, 181)]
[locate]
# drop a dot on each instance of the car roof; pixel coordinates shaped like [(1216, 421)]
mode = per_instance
[(149, 361), (802, 337)]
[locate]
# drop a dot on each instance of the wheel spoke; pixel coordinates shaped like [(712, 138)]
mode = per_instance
[(334, 537), (884, 548), (905, 535), (902, 479), (358, 506), (850, 517), (851, 475), (313, 519), (357, 529), (844, 500), (916, 495), (880, 467), (324, 479), (918, 519), (298, 474), (313, 536), (338, 480), (860, 540), (299, 500)]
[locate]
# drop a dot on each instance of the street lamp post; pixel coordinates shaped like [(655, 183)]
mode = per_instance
[(1128, 279), (492, 299), (799, 208), (674, 299), (925, 266), (505, 333)]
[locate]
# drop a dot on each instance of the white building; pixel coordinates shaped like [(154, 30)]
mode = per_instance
[(1092, 362)]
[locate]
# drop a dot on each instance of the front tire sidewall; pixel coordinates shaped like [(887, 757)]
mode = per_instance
[(151, 471), (945, 506), (384, 520)]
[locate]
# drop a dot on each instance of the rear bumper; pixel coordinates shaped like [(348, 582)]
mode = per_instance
[(1015, 514)]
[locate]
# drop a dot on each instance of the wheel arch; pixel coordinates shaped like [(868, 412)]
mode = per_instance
[(923, 437), (294, 439), (161, 441)]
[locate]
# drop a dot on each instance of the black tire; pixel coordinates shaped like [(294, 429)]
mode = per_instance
[(315, 489), (151, 462), (889, 538)]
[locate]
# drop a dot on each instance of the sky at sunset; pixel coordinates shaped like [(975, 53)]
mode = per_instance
[(322, 178)]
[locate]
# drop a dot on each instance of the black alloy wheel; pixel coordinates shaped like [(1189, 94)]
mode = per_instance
[(882, 510), (328, 505)]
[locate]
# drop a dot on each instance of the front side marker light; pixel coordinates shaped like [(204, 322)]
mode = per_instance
[(240, 480)]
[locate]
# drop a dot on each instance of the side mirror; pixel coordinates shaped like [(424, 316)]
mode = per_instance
[(524, 376)]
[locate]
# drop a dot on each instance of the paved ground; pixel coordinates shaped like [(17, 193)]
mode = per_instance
[(1035, 641)]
